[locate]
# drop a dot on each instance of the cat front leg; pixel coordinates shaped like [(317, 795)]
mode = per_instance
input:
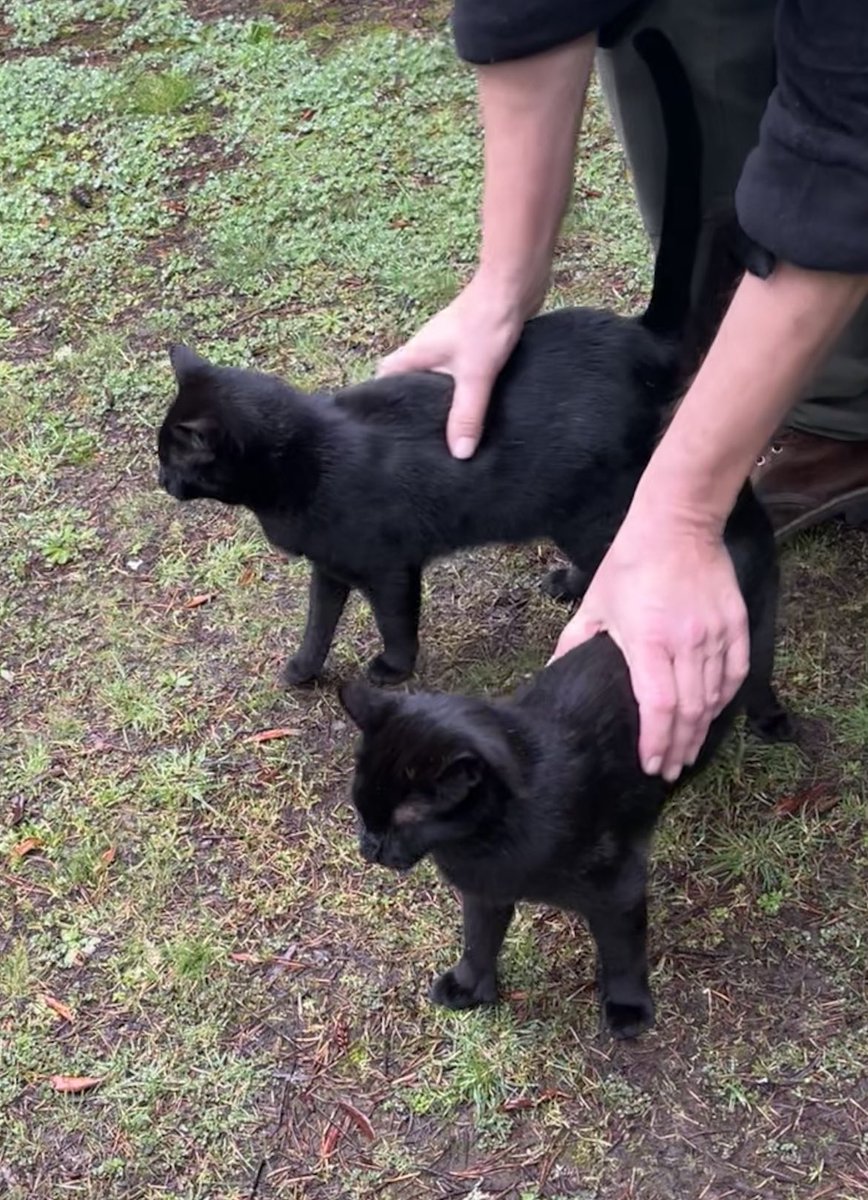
[(326, 599), (579, 541), (618, 920), (473, 979), (565, 584), (396, 599), (766, 716)]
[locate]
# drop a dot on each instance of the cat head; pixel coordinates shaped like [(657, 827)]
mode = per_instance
[(200, 454), (431, 770)]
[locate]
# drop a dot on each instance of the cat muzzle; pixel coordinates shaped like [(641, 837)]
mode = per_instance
[(371, 847), (382, 850), (173, 484)]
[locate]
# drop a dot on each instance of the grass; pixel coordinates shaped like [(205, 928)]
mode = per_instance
[(294, 186)]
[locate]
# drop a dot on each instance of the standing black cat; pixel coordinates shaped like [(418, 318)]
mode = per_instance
[(542, 797), (362, 484)]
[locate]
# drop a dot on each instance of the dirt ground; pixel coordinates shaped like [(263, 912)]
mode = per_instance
[(186, 928)]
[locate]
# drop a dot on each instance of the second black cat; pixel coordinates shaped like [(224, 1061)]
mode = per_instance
[(542, 797)]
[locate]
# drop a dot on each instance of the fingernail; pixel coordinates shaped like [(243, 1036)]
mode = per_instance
[(653, 765), (464, 447), (671, 774)]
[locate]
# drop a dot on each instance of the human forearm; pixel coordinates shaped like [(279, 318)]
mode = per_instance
[(531, 110), (774, 336)]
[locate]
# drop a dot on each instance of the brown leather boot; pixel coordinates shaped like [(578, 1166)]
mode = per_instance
[(803, 479)]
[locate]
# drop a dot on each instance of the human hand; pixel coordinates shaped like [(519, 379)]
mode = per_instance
[(667, 595), (470, 340)]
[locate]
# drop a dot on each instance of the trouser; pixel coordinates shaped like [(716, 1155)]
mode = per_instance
[(727, 48)]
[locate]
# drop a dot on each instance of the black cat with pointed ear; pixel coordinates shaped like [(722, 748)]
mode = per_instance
[(193, 442), (361, 483), (453, 773), (540, 798), (228, 436)]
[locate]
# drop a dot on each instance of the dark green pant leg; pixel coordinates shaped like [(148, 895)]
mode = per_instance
[(727, 47)]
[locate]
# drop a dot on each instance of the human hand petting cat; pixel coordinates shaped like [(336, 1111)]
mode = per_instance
[(666, 593), (470, 340)]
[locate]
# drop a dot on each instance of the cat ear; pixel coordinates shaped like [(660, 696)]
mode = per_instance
[(197, 433), (487, 752), (458, 777), (365, 705), (186, 362)]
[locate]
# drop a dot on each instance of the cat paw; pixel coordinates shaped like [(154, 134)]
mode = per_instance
[(383, 674), (298, 671), (774, 726), (449, 993), (564, 584), (628, 1020)]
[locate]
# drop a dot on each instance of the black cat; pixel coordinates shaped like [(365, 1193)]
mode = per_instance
[(542, 797), (362, 484)]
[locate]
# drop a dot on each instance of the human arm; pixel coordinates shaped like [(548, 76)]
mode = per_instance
[(530, 110), (666, 590)]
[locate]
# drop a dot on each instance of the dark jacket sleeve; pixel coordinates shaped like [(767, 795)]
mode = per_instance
[(491, 31), (803, 193)]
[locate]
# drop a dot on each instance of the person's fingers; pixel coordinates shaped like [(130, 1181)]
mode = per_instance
[(411, 357), (692, 713), (712, 678), (467, 414), (653, 680), (580, 628), (737, 659)]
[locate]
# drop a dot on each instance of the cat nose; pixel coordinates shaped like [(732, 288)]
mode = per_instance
[(370, 847)]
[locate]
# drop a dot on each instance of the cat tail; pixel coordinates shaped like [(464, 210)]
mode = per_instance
[(669, 307)]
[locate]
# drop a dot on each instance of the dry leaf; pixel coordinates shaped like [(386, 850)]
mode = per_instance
[(241, 956), (74, 1083), (358, 1119), (108, 856), (329, 1141), (246, 576), (198, 601), (62, 1010), (810, 801), (26, 847), (269, 735), (521, 1102)]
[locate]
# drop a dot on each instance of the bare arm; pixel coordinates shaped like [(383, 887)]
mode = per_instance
[(666, 591), (775, 335), (530, 110)]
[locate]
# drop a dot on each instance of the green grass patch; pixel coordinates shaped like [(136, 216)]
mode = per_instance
[(295, 186)]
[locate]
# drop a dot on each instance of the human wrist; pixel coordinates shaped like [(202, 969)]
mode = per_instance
[(510, 292), (675, 512), (686, 488)]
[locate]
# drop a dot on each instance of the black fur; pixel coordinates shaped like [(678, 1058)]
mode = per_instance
[(542, 797), (362, 484)]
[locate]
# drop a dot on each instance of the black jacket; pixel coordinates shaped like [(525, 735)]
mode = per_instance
[(803, 193)]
